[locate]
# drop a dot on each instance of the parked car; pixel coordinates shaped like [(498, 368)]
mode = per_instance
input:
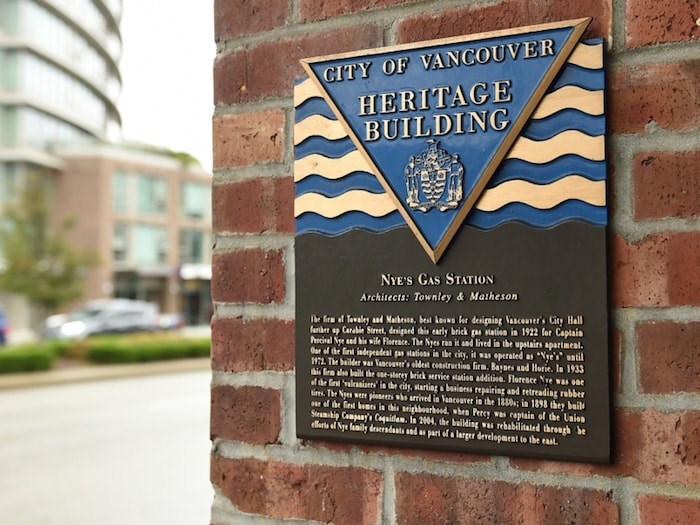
[(4, 326), (171, 321), (103, 316)]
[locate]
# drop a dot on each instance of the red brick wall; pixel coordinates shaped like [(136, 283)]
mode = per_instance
[(259, 467)]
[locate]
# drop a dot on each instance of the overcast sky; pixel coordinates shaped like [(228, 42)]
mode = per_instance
[(166, 71)]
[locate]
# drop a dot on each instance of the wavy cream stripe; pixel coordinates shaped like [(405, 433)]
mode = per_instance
[(588, 56), (539, 196), (318, 125), (573, 97), (304, 91), (374, 204), (329, 168), (545, 196), (568, 142)]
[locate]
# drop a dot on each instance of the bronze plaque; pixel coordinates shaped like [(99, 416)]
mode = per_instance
[(451, 246)]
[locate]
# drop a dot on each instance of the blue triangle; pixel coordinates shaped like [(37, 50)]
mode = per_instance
[(435, 119)]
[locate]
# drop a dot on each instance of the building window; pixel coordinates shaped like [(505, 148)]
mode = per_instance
[(119, 191), (196, 200), (150, 244), (120, 243), (191, 247), (152, 194), (47, 30), (58, 89), (35, 128)]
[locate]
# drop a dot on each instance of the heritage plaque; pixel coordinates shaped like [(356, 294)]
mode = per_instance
[(451, 284)]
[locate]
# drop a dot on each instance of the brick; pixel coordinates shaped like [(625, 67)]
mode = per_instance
[(616, 340), (599, 10), (250, 414), (269, 69), (666, 184), (341, 495), (254, 206), (248, 276), (280, 203), (650, 22), (639, 272), (462, 21), (667, 510), (660, 447), (683, 264), (426, 455), (505, 15), (252, 345), (248, 138), (426, 498), (646, 96), (312, 10), (669, 357), (658, 270), (234, 18), (651, 446), (553, 506)]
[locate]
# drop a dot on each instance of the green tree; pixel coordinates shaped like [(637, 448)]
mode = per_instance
[(38, 260)]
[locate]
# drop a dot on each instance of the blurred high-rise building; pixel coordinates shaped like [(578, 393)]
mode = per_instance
[(59, 88), (59, 79)]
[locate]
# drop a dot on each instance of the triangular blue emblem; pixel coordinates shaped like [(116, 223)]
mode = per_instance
[(435, 119)]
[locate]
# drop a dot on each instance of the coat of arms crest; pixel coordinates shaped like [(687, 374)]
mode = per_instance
[(434, 179)]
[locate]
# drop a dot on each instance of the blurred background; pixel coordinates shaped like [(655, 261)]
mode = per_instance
[(105, 261), (105, 157)]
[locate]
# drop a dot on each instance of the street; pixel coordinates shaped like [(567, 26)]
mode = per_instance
[(126, 451)]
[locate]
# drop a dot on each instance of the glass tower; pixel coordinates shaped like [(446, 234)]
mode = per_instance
[(59, 80)]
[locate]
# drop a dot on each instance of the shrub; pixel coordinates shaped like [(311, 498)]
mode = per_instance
[(57, 347), (27, 358), (135, 349)]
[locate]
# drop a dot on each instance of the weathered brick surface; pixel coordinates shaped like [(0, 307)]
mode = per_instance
[(667, 510), (669, 357), (255, 206), (339, 495), (660, 447), (650, 22), (651, 446), (250, 414), (248, 276), (248, 138), (666, 184), (252, 345), (599, 10), (659, 270), (425, 498), (504, 15), (638, 272), (269, 69), (322, 9), (235, 18), (663, 95), (683, 263), (425, 454)]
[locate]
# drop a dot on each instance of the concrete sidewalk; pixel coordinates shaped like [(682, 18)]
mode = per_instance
[(91, 372)]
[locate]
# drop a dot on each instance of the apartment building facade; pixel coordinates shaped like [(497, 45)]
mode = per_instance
[(147, 216)]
